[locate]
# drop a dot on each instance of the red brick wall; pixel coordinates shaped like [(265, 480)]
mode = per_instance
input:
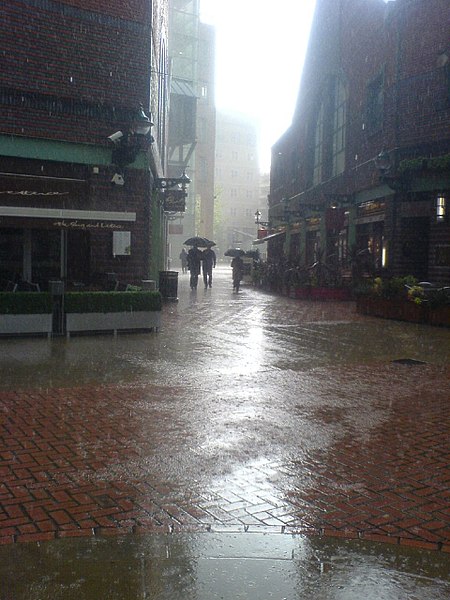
[(96, 52), (359, 40)]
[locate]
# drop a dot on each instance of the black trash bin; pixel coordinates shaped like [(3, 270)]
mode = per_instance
[(168, 284)]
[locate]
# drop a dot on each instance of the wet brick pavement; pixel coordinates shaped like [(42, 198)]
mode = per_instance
[(245, 412)]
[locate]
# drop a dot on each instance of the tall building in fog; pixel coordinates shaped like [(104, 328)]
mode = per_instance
[(237, 181)]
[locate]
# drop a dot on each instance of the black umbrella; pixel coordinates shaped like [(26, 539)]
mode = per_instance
[(197, 241), (234, 252)]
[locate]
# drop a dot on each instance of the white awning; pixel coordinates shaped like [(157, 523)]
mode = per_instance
[(63, 213), (268, 237)]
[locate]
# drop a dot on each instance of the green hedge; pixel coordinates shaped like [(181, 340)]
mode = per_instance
[(25, 303), (104, 302)]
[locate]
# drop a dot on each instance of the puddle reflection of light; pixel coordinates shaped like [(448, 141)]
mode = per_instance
[(253, 349)]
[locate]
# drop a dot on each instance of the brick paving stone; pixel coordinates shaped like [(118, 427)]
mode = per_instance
[(294, 445)]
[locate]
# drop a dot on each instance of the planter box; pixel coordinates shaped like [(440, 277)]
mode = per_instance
[(302, 293), (391, 308), (318, 293), (115, 321), (403, 310), (26, 324), (439, 316), (322, 293)]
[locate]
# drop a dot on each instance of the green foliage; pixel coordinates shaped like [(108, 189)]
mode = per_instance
[(436, 163), (21, 303), (416, 294), (404, 287), (438, 297), (396, 286), (103, 302)]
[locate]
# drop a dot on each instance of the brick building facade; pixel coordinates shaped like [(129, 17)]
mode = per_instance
[(74, 72), (364, 168)]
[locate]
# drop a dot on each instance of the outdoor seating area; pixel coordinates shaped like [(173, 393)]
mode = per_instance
[(101, 282), (21, 286)]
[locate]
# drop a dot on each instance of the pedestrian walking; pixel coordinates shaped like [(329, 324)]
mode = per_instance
[(208, 264), (184, 261), (237, 264), (194, 258)]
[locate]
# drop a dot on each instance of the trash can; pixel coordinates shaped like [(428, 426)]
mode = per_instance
[(168, 284)]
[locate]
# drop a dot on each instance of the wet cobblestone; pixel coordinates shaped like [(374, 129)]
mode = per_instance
[(246, 412)]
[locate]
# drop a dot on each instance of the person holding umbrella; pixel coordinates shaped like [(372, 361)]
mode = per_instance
[(194, 258), (208, 263), (237, 264)]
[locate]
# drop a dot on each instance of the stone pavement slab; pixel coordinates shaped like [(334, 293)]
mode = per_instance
[(222, 566)]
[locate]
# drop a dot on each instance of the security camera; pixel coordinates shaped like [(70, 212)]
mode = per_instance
[(117, 179), (115, 137)]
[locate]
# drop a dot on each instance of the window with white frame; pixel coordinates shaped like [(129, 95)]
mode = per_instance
[(318, 147), (339, 122)]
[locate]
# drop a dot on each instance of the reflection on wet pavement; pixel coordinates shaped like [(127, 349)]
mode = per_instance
[(225, 566), (246, 412), (213, 333)]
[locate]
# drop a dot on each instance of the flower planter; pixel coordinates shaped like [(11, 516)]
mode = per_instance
[(403, 310), (113, 321), (25, 324)]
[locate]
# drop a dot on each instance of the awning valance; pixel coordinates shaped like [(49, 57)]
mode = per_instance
[(268, 237)]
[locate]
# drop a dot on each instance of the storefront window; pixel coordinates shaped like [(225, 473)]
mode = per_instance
[(11, 255), (45, 255)]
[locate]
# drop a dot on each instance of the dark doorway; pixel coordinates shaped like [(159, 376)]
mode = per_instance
[(78, 256), (414, 247)]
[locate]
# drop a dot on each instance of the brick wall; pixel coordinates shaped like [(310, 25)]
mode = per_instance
[(96, 53), (360, 40)]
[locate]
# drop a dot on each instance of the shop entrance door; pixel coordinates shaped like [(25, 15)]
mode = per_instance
[(78, 255)]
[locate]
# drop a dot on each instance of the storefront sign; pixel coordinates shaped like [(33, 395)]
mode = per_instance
[(86, 225), (313, 223), (175, 228), (22, 216), (17, 188), (367, 209), (174, 200), (30, 193)]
